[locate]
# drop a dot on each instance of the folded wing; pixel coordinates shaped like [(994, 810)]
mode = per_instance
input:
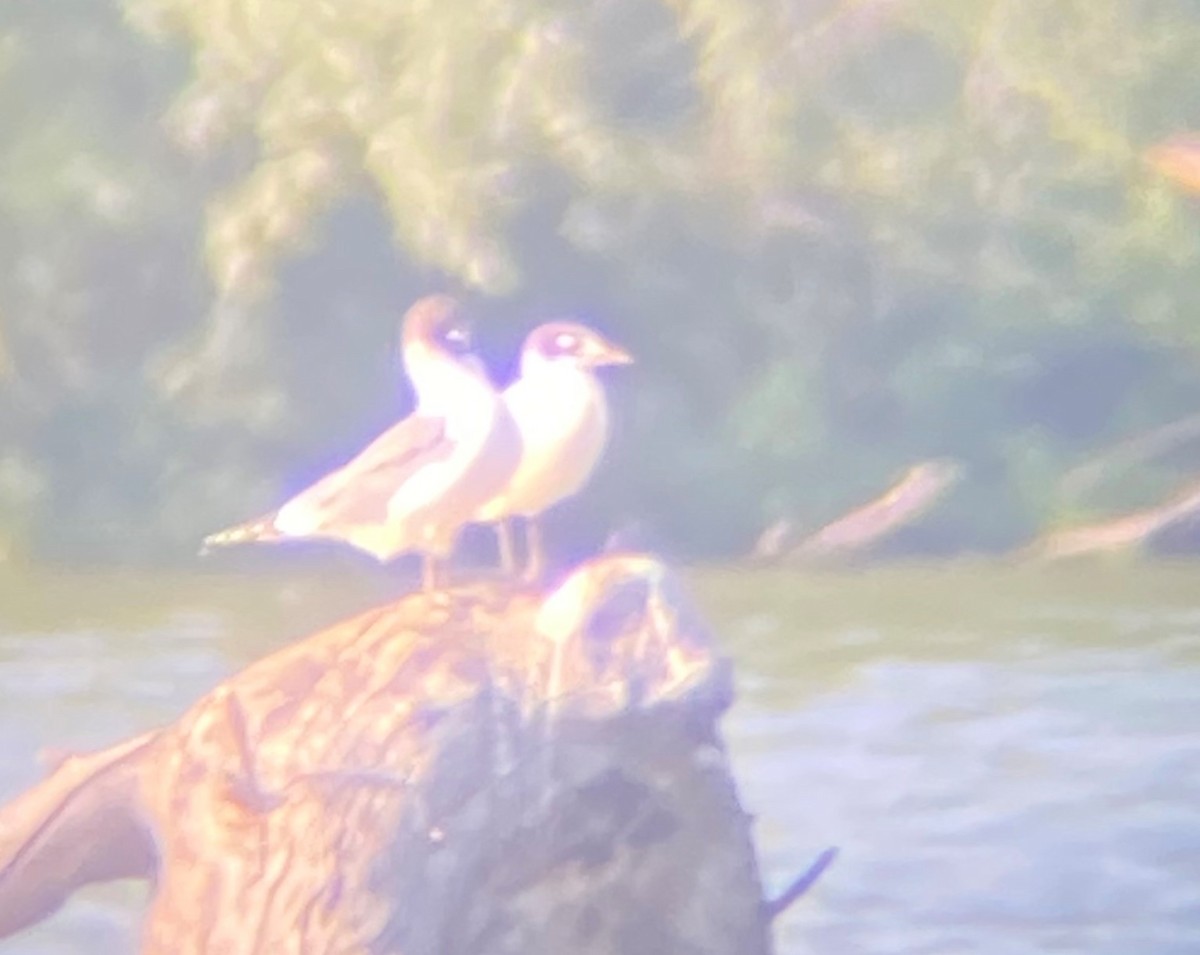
[(351, 503)]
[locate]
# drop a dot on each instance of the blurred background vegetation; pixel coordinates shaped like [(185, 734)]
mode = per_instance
[(840, 237)]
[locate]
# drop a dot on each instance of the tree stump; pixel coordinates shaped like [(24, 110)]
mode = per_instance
[(480, 771)]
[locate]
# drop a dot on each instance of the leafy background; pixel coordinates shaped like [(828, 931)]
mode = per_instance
[(840, 237)]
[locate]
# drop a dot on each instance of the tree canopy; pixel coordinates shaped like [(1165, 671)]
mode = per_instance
[(840, 236)]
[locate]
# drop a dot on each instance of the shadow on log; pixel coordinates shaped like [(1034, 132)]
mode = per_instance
[(473, 772)]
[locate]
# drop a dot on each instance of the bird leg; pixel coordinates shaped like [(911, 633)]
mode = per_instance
[(430, 574), (536, 561), (505, 540)]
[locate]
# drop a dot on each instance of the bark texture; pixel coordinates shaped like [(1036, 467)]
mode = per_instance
[(480, 771)]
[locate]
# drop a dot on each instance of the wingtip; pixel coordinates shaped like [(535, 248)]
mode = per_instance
[(246, 533), (212, 543)]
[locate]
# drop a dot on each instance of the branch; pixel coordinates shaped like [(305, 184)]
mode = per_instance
[(801, 884), (79, 825), (922, 486), (1117, 534), (1135, 450)]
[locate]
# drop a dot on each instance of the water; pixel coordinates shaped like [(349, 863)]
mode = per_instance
[(1008, 759)]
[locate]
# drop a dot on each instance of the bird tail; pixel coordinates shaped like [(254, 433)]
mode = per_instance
[(260, 529)]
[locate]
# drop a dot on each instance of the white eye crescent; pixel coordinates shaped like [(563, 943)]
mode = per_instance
[(564, 341)]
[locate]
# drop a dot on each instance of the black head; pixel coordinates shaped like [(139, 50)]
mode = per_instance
[(438, 322)]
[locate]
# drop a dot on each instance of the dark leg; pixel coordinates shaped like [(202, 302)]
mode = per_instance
[(430, 575), (536, 563), (504, 536)]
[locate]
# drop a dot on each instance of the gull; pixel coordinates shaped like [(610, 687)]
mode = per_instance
[(559, 408), (415, 486)]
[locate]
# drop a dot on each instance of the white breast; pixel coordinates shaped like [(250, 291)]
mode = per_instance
[(444, 490), (468, 404), (562, 417), (459, 393)]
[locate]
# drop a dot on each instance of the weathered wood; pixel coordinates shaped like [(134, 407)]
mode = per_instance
[(774, 540), (1132, 451), (83, 824), (915, 494), (1123, 533), (1178, 159), (474, 772)]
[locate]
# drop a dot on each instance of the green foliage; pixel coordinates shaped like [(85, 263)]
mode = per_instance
[(841, 236), (93, 262)]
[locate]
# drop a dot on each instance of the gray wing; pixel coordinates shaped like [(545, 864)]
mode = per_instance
[(358, 493)]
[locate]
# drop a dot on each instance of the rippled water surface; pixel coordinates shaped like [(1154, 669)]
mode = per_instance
[(1009, 760)]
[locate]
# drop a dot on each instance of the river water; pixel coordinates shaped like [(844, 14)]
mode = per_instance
[(1008, 759)]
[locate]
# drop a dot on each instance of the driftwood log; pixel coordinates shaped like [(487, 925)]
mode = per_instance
[(1178, 159), (1120, 534), (480, 771), (1128, 454), (863, 529)]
